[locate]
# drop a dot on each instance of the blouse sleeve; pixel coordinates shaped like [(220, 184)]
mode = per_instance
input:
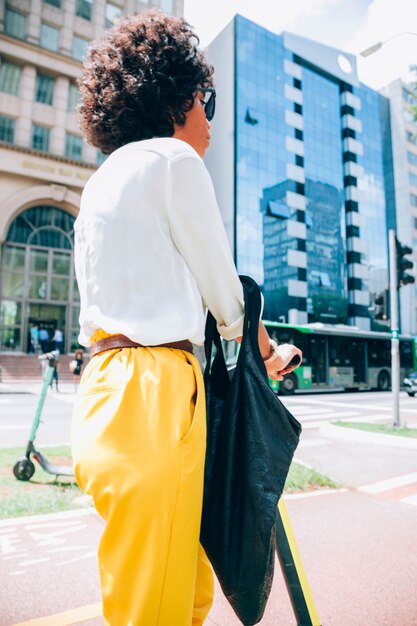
[(198, 233)]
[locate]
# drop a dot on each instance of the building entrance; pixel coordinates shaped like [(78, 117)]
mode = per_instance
[(37, 280), (47, 317)]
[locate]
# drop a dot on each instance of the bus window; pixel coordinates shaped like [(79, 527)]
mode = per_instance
[(357, 351), (379, 353), (339, 352), (318, 359), (406, 354)]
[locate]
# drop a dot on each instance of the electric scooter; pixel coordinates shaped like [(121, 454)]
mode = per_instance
[(24, 468)]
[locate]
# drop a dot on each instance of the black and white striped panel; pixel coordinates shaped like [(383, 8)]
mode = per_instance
[(295, 199), (358, 294)]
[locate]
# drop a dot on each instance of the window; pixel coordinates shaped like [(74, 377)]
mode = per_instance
[(10, 78), (112, 14), (278, 209), (411, 137), (412, 158), (167, 6), (44, 89), (40, 137), (54, 3), (408, 116), (415, 222), (49, 37), (7, 126), (79, 47), (72, 97), (413, 200), (84, 9), (413, 179), (73, 146), (15, 24)]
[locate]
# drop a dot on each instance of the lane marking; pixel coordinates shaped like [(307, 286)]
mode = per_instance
[(390, 483), (305, 410), (332, 417), (66, 618), (313, 494), (48, 517)]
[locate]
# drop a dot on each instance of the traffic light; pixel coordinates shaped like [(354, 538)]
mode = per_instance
[(403, 264)]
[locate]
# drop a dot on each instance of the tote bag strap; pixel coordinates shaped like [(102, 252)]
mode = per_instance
[(218, 367), (253, 304)]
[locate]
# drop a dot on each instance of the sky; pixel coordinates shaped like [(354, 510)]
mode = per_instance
[(349, 25)]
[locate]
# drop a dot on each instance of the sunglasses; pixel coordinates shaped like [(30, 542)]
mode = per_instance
[(209, 103)]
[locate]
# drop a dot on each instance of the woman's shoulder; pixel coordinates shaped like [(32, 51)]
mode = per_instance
[(168, 147)]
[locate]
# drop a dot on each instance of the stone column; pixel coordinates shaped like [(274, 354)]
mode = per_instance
[(27, 95), (34, 22), (68, 28), (60, 105)]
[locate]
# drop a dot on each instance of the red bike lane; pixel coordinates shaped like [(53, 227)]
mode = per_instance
[(358, 550)]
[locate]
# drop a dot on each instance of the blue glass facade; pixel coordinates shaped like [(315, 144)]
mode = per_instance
[(326, 275), (372, 186), (291, 203)]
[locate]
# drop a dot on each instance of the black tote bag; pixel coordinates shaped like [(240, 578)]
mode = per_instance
[(251, 439)]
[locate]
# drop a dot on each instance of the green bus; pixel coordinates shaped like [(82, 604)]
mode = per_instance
[(341, 357)]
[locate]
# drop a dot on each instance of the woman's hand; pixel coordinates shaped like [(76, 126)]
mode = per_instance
[(277, 364)]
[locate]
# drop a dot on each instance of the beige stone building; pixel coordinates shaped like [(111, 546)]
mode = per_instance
[(44, 162)]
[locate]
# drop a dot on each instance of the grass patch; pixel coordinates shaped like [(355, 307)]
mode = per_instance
[(42, 494), (380, 428), (301, 478)]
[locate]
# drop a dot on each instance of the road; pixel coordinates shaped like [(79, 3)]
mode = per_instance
[(357, 542), (312, 410)]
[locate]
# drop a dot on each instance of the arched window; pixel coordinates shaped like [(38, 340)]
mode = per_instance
[(43, 226)]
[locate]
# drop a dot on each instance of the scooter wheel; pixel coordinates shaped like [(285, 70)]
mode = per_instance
[(23, 469)]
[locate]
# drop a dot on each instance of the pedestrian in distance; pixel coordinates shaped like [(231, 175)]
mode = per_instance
[(58, 339), (76, 367), (151, 253), (34, 339), (44, 340)]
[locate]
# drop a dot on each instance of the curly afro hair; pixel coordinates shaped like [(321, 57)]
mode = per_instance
[(140, 79)]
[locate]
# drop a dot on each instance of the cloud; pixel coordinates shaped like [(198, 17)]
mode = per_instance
[(385, 19)]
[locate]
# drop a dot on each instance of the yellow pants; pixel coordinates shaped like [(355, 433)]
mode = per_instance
[(138, 444)]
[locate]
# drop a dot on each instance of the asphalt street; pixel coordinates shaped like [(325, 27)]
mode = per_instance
[(357, 543)]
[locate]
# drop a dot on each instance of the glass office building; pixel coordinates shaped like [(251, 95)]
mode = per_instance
[(297, 163)]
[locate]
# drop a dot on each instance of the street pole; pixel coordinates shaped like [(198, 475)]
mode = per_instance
[(395, 341)]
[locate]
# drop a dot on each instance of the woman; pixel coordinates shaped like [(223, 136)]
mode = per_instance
[(151, 255)]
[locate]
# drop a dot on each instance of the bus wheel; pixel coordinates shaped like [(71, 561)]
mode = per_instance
[(288, 386), (384, 380)]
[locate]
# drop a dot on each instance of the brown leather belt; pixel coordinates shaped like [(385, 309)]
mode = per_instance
[(121, 341)]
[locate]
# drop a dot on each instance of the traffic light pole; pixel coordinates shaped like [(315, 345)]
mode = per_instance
[(395, 341)]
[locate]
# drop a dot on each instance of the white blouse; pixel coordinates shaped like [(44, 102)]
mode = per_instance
[(151, 252)]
